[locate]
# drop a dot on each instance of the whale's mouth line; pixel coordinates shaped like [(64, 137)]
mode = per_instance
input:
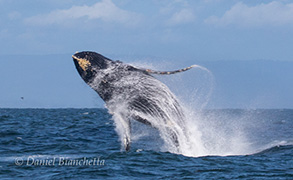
[(76, 58)]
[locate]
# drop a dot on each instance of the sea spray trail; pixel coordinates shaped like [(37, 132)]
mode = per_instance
[(199, 99), (193, 88)]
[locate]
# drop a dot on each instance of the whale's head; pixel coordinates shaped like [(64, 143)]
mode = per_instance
[(89, 64)]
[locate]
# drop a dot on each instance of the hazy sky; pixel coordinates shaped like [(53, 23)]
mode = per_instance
[(173, 30)]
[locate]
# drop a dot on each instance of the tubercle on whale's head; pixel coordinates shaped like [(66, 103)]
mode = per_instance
[(89, 63)]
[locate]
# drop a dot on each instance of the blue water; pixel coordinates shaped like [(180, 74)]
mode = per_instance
[(45, 144)]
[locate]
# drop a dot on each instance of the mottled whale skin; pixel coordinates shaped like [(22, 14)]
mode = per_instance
[(134, 90)]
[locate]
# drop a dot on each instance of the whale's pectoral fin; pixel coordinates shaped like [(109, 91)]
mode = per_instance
[(123, 122), (127, 143), (168, 72), (127, 138)]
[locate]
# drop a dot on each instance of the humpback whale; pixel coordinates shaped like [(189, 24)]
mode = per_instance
[(132, 93)]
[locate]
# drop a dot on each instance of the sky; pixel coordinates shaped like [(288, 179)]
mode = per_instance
[(37, 39)]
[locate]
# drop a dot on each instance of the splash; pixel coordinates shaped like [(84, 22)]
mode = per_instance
[(210, 132), (177, 113)]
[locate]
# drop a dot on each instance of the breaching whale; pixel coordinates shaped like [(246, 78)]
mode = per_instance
[(132, 93)]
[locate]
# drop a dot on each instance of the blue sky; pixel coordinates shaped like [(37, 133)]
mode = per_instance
[(201, 30), (178, 31)]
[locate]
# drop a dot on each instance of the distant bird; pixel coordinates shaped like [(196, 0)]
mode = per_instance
[(22, 98)]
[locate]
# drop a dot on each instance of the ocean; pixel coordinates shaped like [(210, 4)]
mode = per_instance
[(83, 144)]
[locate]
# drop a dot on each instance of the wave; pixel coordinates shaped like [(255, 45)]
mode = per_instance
[(5, 117), (276, 147)]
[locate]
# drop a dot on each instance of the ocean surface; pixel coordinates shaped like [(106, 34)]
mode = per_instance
[(83, 144)]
